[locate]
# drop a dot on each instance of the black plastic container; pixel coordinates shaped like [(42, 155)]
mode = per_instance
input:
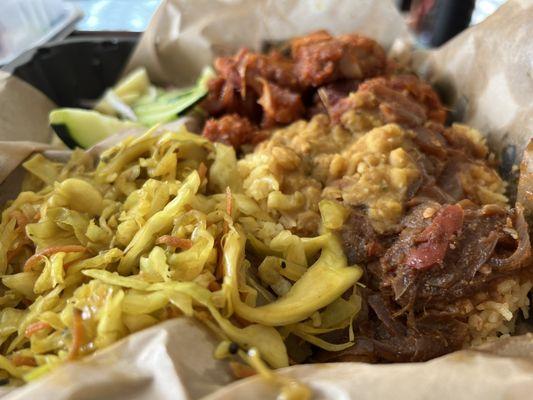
[(76, 71)]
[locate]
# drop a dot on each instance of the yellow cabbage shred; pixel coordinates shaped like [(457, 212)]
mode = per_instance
[(158, 228)]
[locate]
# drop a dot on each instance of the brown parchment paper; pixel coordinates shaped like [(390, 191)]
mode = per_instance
[(485, 75), (23, 112), (23, 126)]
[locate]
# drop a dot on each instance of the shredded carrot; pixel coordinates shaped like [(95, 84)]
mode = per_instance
[(174, 241), (35, 327), (214, 286), (34, 260), (240, 370), (202, 171), (229, 201), (21, 219), (77, 335), (19, 360)]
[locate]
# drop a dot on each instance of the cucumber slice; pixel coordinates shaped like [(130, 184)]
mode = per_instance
[(154, 108), (84, 128), (165, 101), (171, 95), (170, 111), (174, 103)]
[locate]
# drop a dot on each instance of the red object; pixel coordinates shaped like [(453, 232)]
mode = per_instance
[(436, 238)]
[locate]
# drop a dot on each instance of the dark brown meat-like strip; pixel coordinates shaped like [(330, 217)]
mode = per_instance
[(403, 99), (525, 183), (329, 95), (436, 238), (415, 313), (522, 254), (385, 338), (456, 274), (360, 241), (434, 336)]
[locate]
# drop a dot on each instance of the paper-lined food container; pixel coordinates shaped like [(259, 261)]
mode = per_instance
[(485, 76)]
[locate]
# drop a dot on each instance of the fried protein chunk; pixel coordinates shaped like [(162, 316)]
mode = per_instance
[(256, 86), (224, 98), (321, 58), (280, 105), (231, 129), (274, 89), (241, 81)]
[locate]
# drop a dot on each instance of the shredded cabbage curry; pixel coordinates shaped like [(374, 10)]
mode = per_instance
[(159, 229)]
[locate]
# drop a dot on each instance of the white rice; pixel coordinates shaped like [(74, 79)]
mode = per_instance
[(496, 316)]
